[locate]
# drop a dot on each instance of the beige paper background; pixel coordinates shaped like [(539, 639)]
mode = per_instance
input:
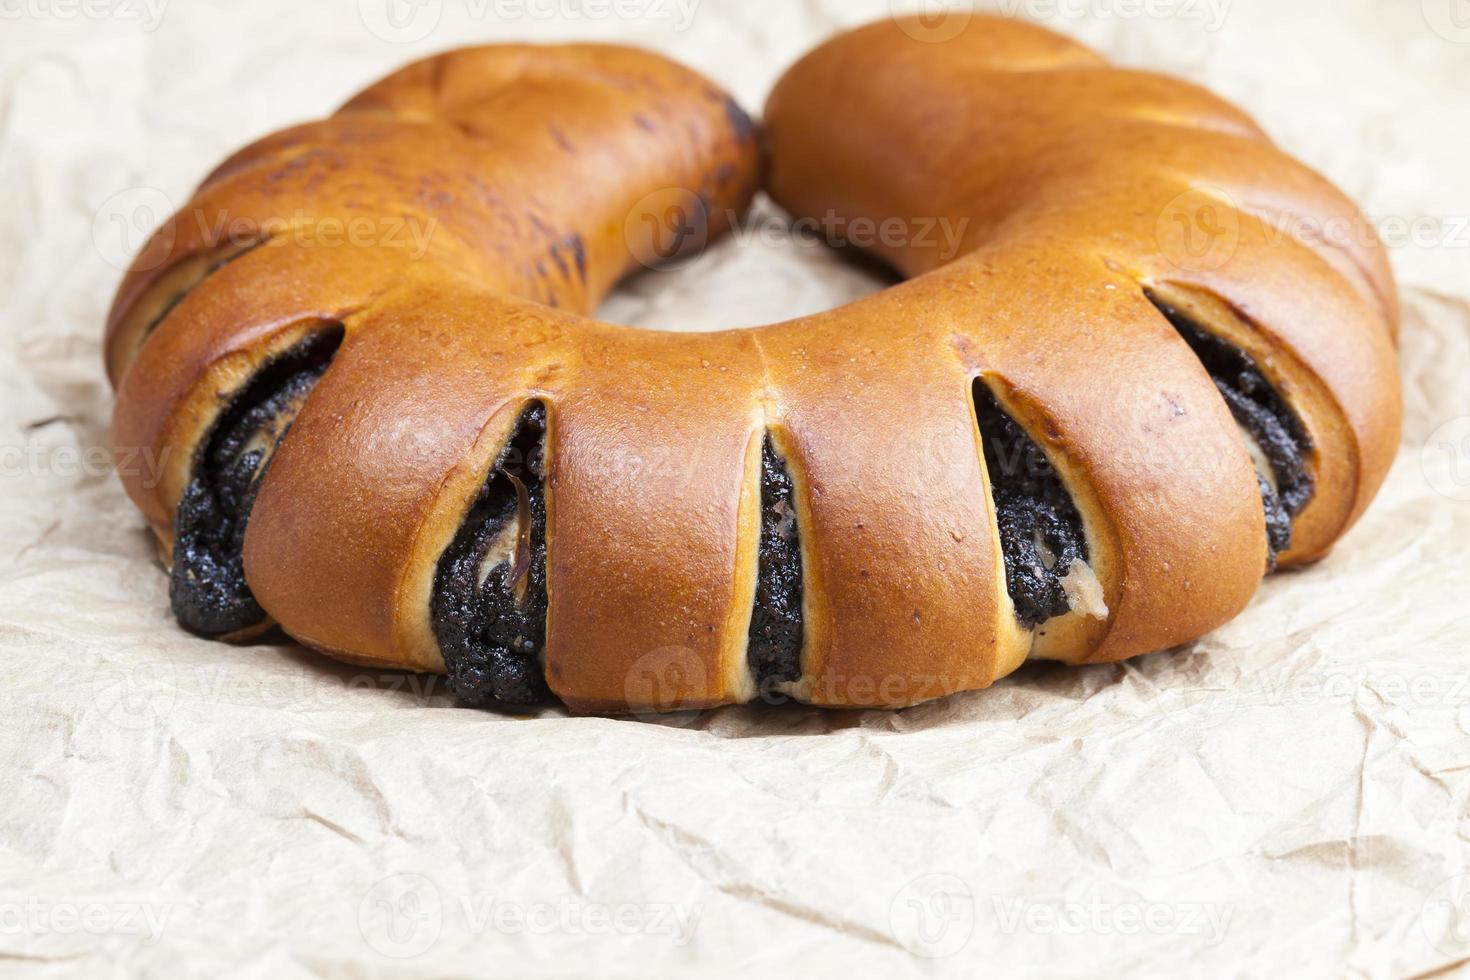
[(1288, 796)]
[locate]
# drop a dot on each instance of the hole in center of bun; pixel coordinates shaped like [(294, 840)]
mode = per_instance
[(803, 266)]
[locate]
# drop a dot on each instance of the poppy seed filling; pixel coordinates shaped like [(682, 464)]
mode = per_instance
[(489, 603), (1264, 414), (1041, 533), (207, 586), (773, 651), (177, 299)]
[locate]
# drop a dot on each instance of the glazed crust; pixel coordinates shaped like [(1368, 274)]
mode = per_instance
[(543, 176)]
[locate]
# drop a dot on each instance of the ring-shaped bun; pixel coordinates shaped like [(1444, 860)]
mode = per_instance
[(1116, 388)]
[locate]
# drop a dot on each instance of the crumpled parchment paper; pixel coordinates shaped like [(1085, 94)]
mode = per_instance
[(1290, 795)]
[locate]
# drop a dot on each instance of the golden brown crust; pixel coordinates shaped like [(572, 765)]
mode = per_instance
[(544, 175), (1069, 178)]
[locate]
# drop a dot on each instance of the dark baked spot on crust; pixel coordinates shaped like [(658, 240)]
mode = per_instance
[(561, 247), (1261, 410), (561, 139), (579, 251), (776, 625), (578, 247), (740, 121), (680, 230), (207, 586), (1041, 532), (491, 622)]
